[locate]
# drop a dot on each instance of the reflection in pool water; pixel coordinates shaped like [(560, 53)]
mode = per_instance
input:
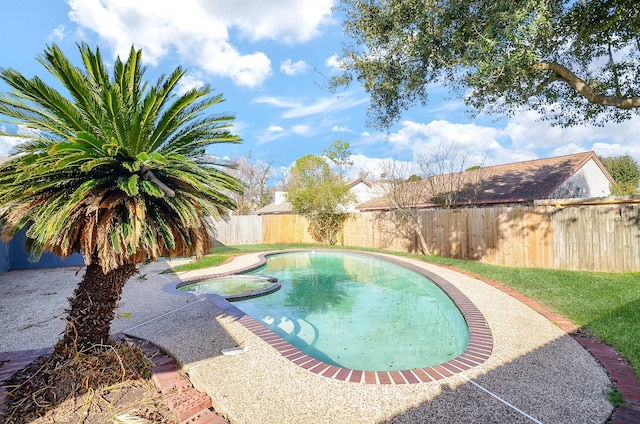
[(358, 311)]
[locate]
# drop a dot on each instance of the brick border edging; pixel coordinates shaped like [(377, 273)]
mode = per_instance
[(616, 366), (189, 405)]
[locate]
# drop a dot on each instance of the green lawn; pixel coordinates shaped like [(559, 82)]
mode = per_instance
[(606, 305), (206, 262)]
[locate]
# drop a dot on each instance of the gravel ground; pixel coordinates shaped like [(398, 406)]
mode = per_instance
[(536, 372)]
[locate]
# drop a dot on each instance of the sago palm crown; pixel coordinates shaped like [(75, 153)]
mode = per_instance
[(118, 170), (115, 169)]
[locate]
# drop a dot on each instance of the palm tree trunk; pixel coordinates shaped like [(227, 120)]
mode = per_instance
[(92, 307)]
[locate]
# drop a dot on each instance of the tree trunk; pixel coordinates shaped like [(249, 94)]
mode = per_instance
[(423, 242), (92, 307)]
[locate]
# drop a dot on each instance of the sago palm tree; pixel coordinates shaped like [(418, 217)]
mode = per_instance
[(116, 169)]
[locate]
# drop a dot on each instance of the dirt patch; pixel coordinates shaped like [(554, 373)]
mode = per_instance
[(128, 402), (104, 385)]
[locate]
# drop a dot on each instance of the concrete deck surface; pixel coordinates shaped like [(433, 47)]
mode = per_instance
[(537, 373)]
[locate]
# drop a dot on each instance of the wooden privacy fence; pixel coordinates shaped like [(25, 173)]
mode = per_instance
[(597, 236), (241, 229)]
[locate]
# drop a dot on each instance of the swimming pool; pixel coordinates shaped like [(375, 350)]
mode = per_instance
[(359, 311)]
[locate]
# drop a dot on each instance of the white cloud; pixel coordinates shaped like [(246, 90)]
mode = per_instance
[(373, 168), (199, 31), (289, 21), (527, 131), (324, 105), (272, 133), (7, 142), (522, 138), (296, 109), (303, 130), (189, 82), (334, 64), (57, 34), (337, 128), (483, 145), (617, 149), (277, 102), (419, 137), (447, 107), (368, 139), (293, 68)]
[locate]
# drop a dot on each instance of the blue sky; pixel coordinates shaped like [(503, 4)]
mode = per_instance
[(271, 61)]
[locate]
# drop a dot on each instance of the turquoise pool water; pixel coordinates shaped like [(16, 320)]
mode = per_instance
[(359, 312)]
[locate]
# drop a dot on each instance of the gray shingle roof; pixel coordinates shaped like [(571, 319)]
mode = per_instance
[(511, 183)]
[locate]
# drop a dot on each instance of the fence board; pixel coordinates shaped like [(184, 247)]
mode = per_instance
[(594, 237), (243, 229)]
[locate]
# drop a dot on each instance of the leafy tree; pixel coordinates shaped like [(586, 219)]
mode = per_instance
[(626, 172), (573, 61), (117, 171), (339, 153), (320, 195)]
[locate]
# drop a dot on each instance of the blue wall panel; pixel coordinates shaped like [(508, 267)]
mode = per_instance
[(5, 256), (20, 256)]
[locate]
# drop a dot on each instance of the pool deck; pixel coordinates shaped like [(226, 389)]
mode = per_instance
[(536, 372)]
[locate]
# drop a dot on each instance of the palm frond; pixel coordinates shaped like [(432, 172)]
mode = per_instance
[(115, 168)]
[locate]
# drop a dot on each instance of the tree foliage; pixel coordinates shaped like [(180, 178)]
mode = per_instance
[(320, 195), (340, 154), (626, 172), (573, 61), (113, 168)]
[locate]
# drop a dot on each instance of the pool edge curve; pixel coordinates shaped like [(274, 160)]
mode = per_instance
[(478, 349)]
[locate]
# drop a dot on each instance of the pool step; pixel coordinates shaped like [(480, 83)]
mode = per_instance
[(307, 332), (289, 329)]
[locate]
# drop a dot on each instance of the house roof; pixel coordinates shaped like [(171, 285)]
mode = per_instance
[(275, 209), (511, 183), (355, 182)]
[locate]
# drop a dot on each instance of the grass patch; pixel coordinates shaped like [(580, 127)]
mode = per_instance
[(207, 261), (614, 396), (606, 305)]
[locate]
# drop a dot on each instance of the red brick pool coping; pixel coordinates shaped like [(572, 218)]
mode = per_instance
[(477, 352)]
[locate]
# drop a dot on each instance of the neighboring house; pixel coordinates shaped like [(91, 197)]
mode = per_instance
[(277, 207), (363, 190), (580, 175)]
